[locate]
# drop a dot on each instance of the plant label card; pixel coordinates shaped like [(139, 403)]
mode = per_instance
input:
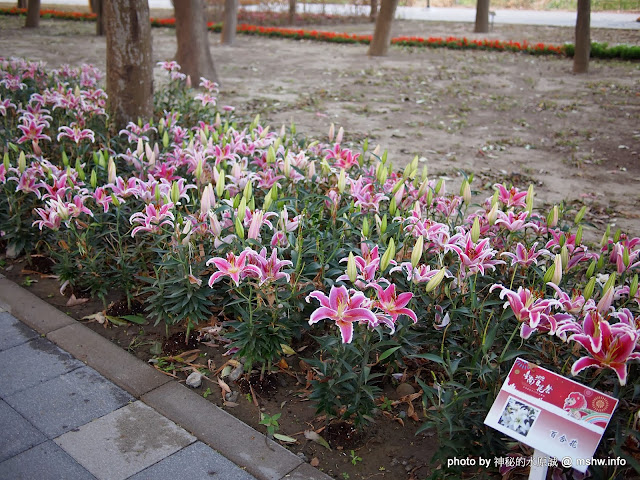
[(551, 413)]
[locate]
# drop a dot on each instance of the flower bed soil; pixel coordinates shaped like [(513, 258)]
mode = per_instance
[(389, 449)]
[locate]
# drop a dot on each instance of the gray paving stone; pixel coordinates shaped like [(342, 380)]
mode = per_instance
[(33, 311), (235, 440), (32, 363), (124, 442), (17, 433), (123, 369), (68, 401), (46, 461), (195, 461), (13, 332)]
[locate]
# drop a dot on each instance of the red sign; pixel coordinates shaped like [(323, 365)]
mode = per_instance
[(560, 417)]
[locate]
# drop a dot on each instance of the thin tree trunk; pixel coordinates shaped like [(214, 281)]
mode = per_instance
[(482, 16), (22, 3), (129, 61), (373, 14), (33, 14), (193, 53), (98, 9), (230, 22), (583, 37), (382, 33), (292, 12)]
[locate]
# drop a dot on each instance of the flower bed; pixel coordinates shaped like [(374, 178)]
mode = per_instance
[(271, 240), (598, 50)]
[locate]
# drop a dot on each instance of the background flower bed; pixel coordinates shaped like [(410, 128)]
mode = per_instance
[(155, 235), (598, 50)]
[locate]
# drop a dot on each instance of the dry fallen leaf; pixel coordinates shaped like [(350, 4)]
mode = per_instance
[(314, 462), (73, 301)]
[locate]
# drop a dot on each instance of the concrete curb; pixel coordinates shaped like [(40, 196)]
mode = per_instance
[(221, 431)]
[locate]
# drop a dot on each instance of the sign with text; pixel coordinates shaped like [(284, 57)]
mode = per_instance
[(551, 413)]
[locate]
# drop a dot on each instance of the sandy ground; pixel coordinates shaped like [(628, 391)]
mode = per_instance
[(503, 116)]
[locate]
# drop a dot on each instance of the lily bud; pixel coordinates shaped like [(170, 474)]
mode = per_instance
[(383, 225), (493, 214), (548, 275), (438, 186), (529, 207), (557, 271), (140, 149), (93, 181), (625, 257), (340, 135), (199, 168), (175, 193), (475, 230), (564, 255), (418, 249), (352, 271), (267, 202), (616, 236), (365, 146), (588, 289), (80, 170), (423, 188), (248, 190), (382, 173), (607, 294), (271, 155), (207, 200), (239, 228), (389, 254), (342, 181), (220, 184), (277, 143), (326, 169), (633, 287), (579, 235), (581, 214), (332, 129), (6, 162), (65, 159), (425, 173), (552, 218), (365, 227), (605, 237), (165, 139), (22, 162), (435, 281), (429, 197), (591, 269), (111, 171), (399, 194), (393, 206), (242, 209)]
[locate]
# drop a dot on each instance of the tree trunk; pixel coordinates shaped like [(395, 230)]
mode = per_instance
[(373, 14), (230, 22), (583, 37), (482, 16), (129, 62), (22, 3), (33, 14), (382, 33), (292, 12), (193, 53), (97, 8)]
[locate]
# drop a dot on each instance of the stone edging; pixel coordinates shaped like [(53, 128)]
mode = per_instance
[(220, 430)]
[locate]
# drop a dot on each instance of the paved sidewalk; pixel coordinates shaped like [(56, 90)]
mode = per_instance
[(102, 414)]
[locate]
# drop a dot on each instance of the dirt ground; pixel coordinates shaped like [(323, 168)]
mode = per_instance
[(503, 116)]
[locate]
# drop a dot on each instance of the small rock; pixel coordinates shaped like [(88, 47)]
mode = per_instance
[(303, 456), (314, 462), (231, 397), (408, 468), (236, 372), (12, 252), (402, 415), (405, 389), (194, 380), (394, 462)]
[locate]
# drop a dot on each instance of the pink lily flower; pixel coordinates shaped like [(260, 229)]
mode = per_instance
[(422, 273), (233, 267), (153, 218), (529, 310), (269, 267), (342, 308), (474, 257), (392, 304), (609, 346), (573, 305), (76, 134), (512, 197), (514, 222), (32, 130), (525, 257)]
